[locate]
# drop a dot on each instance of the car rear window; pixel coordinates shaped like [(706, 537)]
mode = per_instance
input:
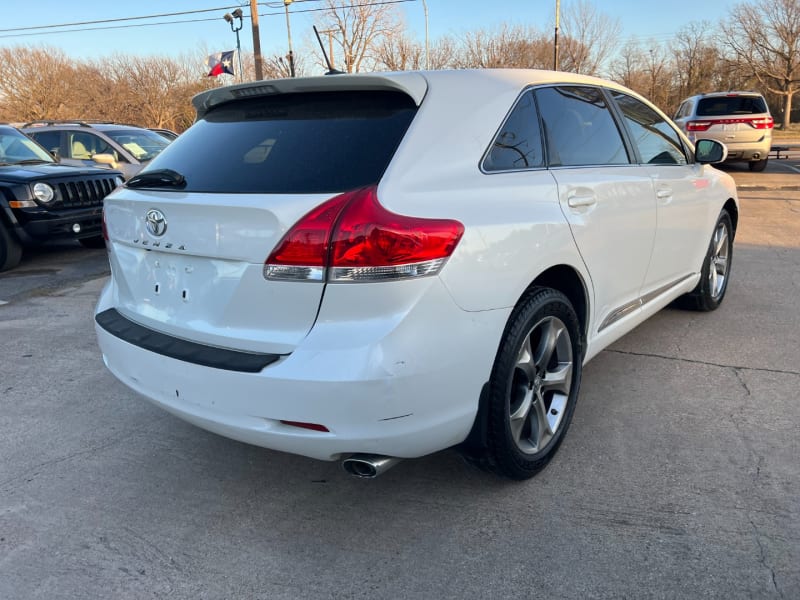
[(291, 143), (731, 105)]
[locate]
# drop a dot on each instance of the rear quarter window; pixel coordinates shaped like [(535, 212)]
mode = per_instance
[(291, 143)]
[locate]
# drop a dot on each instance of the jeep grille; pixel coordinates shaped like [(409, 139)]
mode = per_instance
[(88, 192)]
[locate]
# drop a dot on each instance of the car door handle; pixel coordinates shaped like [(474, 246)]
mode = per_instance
[(664, 194), (578, 200)]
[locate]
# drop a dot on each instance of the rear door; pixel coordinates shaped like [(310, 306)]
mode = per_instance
[(607, 200), (188, 259)]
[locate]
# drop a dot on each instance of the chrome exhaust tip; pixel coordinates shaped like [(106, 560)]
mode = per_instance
[(368, 466)]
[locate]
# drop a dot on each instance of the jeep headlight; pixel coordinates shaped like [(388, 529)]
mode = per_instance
[(43, 192), (118, 181)]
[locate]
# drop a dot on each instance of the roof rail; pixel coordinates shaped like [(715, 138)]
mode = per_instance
[(78, 122)]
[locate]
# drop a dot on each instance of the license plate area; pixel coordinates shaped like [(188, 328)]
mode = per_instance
[(184, 287)]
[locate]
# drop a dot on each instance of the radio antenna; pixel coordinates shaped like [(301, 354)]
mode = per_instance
[(331, 70)]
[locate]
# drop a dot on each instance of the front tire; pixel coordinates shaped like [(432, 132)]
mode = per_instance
[(757, 165), (715, 274), (534, 384), (10, 249)]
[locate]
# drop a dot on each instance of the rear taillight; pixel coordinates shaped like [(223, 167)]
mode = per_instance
[(698, 125), (763, 123), (755, 123), (351, 237)]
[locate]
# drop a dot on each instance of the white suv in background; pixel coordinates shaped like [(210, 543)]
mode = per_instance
[(740, 120), (380, 266)]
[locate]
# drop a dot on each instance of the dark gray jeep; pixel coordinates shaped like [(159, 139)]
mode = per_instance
[(41, 199)]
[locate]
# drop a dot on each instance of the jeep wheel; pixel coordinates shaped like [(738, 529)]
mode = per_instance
[(757, 165), (10, 249)]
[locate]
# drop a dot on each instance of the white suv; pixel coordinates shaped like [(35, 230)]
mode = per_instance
[(740, 120), (375, 267)]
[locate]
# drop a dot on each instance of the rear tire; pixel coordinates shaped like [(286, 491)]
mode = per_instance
[(534, 384), (93, 242), (715, 274), (10, 249), (757, 165)]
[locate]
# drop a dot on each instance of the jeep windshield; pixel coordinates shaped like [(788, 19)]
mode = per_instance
[(144, 144), (18, 149)]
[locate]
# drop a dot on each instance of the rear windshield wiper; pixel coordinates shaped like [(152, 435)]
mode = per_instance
[(157, 178)]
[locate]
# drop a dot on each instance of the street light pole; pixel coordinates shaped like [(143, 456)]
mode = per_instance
[(231, 18), (286, 4)]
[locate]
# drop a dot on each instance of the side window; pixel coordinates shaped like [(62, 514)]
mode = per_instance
[(579, 128), (51, 140), (518, 144), (657, 141), (683, 111), (85, 145)]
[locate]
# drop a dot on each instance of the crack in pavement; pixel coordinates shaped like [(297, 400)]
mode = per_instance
[(755, 457), (703, 362), (756, 474)]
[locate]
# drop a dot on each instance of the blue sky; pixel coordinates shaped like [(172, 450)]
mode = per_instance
[(187, 34)]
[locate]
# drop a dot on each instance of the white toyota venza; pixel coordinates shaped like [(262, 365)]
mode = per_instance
[(374, 267)]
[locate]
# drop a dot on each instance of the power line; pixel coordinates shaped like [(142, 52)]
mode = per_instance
[(156, 16), (29, 30)]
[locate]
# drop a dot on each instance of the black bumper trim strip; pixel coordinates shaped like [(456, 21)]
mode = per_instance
[(192, 352)]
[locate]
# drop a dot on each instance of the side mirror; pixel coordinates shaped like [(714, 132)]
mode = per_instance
[(105, 159), (709, 152)]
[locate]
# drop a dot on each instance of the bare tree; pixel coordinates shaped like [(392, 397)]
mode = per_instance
[(765, 38), (360, 28), (506, 47), (401, 53), (589, 40), (37, 83), (696, 61), (630, 67)]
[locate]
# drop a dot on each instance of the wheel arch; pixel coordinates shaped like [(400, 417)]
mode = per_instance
[(733, 211), (569, 282), (565, 279)]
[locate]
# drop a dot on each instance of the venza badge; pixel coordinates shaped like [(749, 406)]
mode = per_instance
[(156, 222)]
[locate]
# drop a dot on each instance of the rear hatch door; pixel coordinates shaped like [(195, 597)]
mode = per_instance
[(188, 257)]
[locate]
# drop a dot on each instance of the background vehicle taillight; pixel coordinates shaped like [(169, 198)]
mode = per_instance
[(764, 123), (353, 238), (698, 125)]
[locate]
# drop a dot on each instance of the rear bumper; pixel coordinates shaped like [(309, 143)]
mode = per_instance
[(739, 150), (405, 393)]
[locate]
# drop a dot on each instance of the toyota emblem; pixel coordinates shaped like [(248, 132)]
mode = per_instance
[(156, 222)]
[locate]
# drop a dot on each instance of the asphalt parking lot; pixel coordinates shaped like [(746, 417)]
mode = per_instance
[(680, 476)]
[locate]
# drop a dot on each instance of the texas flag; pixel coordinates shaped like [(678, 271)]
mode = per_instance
[(221, 62)]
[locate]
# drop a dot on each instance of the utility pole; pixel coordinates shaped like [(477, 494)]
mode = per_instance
[(286, 4), (256, 40), (555, 38), (427, 46)]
